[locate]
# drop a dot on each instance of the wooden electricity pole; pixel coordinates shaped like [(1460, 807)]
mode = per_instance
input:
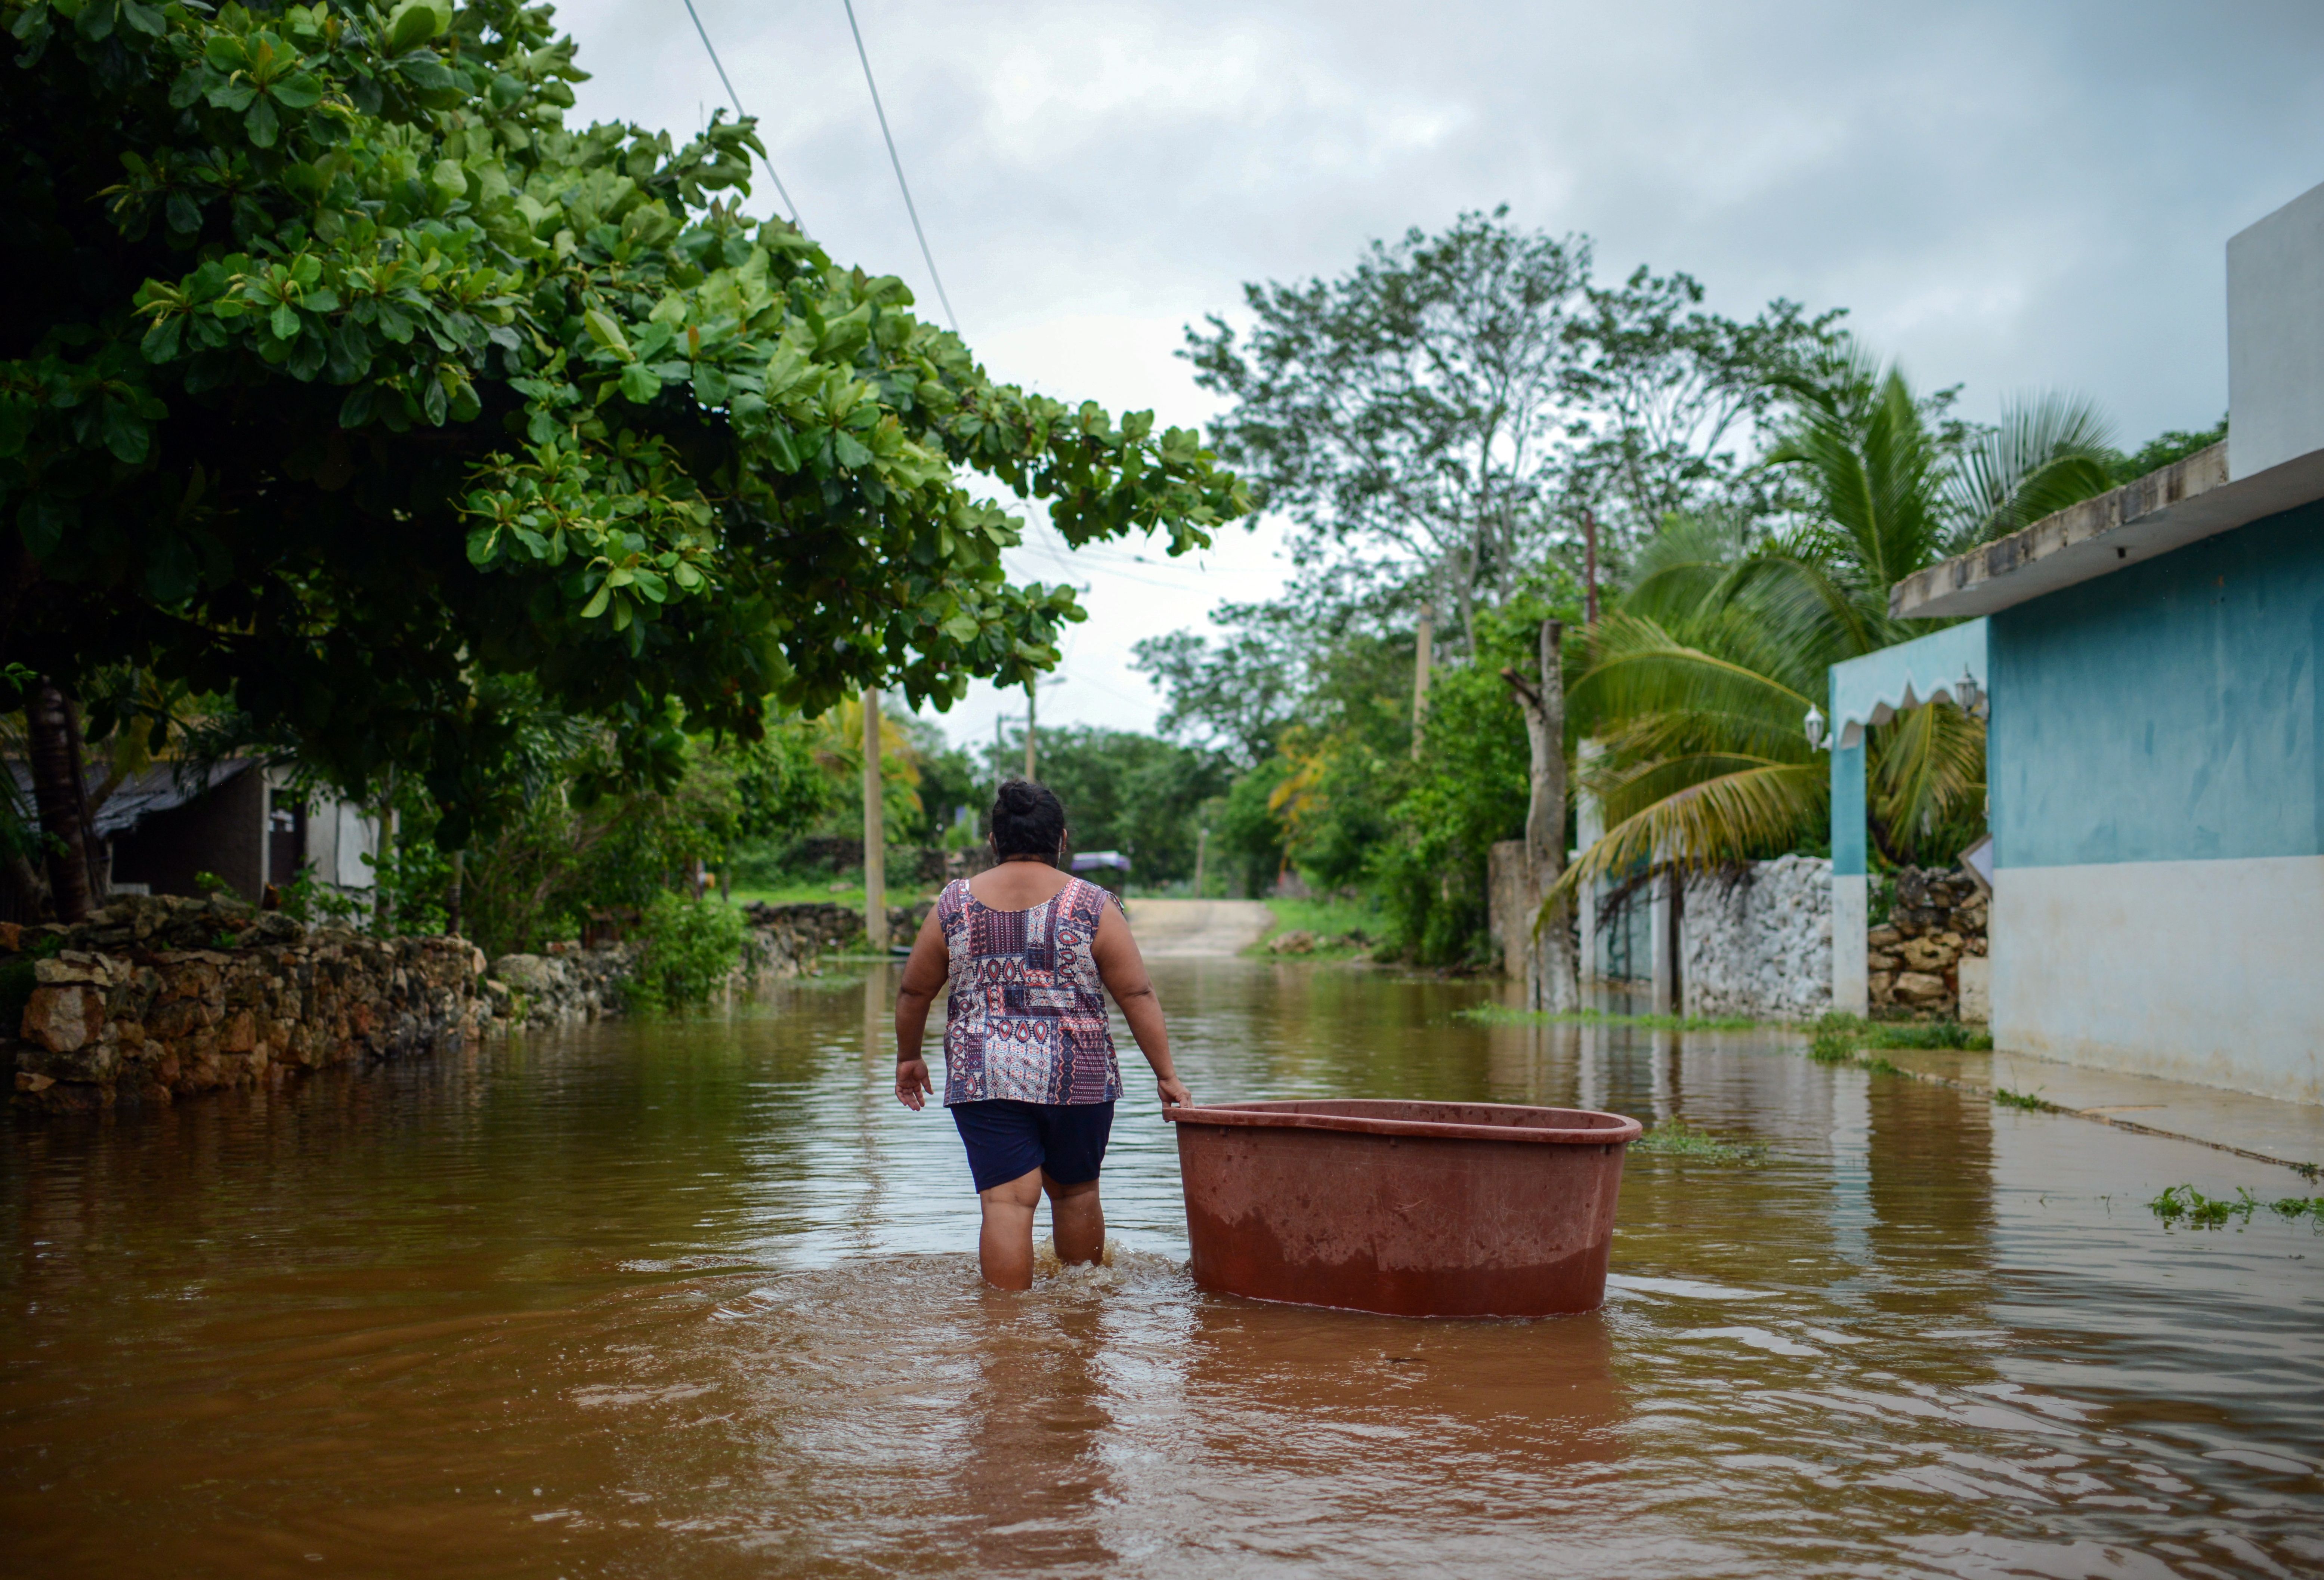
[(875, 831), (1589, 567), (1032, 709), (1423, 641)]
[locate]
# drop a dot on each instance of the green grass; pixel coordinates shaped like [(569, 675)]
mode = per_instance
[(1839, 1039), (1502, 1015), (1679, 1139), (1329, 921), (2009, 1099)]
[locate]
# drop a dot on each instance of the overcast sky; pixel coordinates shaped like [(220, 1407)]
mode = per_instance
[(2011, 197)]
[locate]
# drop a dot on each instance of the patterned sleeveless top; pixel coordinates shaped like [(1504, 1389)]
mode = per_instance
[(1026, 1019)]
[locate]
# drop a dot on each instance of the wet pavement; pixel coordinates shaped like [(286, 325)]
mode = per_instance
[(696, 1297), (2292, 1134)]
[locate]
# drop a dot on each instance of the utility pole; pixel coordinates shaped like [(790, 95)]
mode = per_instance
[(875, 833), (1032, 709), (1589, 566), (1423, 643)]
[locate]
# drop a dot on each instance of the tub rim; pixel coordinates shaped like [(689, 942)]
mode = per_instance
[(1280, 1114)]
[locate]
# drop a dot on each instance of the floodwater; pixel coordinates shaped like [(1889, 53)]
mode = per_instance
[(698, 1298)]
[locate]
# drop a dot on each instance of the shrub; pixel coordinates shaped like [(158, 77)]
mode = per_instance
[(691, 946)]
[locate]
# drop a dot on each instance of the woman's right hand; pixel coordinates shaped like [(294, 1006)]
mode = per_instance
[(1174, 1091), (912, 1085)]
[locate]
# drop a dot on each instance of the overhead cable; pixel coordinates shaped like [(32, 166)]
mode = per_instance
[(736, 106), (926, 256)]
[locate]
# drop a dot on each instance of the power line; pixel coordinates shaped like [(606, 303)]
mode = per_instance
[(720, 68), (929, 257)]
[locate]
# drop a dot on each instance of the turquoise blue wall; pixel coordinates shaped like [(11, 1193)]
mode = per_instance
[(2169, 711)]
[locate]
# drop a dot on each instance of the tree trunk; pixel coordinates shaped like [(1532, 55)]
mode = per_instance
[(1549, 956), (100, 866), (28, 891), (57, 792)]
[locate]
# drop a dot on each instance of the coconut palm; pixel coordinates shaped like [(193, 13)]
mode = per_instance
[(2049, 452), (1699, 685)]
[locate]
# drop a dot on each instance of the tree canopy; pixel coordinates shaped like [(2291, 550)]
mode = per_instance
[(340, 375)]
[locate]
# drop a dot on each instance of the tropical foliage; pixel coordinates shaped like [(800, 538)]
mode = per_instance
[(1700, 685), (356, 379), (1758, 487)]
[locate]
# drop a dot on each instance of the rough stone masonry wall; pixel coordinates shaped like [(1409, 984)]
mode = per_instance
[(1937, 917), (1758, 942), (162, 998)]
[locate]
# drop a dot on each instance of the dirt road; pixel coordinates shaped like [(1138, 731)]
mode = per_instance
[(1181, 929)]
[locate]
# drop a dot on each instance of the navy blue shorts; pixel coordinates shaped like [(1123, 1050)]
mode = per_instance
[(1008, 1140)]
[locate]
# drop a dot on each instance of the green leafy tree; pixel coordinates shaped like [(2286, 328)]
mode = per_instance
[(2172, 445), (360, 378), (1408, 413), (1130, 792)]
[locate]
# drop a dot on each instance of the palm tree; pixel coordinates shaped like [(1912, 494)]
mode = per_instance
[(2049, 452), (1698, 685)]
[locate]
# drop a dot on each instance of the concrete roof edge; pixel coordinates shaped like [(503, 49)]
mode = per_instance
[(2180, 504)]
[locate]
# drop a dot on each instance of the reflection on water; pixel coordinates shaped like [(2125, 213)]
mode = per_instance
[(699, 1298)]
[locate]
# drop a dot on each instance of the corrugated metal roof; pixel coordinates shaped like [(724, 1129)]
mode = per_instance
[(157, 789)]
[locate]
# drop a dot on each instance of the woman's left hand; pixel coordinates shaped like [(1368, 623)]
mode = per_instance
[(912, 1087)]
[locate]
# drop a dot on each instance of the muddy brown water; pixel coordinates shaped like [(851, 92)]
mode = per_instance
[(698, 1298)]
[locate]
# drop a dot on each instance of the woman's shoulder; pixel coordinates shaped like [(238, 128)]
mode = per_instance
[(1093, 898), (953, 898)]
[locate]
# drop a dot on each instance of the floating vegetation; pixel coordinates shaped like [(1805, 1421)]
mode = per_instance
[(2009, 1099), (2183, 1203), (1678, 1139), (1839, 1039), (1502, 1015)]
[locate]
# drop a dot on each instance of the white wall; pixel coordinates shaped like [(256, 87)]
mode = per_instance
[(2275, 337), (1762, 946), (2206, 971), (1851, 956)]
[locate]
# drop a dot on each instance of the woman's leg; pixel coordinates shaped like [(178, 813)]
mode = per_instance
[(1078, 1219), (1004, 1248)]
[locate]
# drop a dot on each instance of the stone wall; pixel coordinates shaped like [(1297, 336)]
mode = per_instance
[(1937, 919), (567, 983), (1757, 941), (163, 998), (805, 930)]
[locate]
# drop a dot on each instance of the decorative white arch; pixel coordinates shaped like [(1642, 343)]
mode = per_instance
[(1944, 666)]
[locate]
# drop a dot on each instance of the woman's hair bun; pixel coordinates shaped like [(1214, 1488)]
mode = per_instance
[(1028, 819)]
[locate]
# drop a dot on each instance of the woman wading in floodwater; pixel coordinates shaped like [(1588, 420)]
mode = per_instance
[(1029, 1072)]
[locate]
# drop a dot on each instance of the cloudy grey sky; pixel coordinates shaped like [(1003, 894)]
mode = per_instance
[(2011, 197)]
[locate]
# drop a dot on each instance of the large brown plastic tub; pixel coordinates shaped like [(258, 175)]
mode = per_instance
[(1415, 1209)]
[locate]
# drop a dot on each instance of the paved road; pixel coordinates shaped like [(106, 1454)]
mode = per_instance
[(1182, 930)]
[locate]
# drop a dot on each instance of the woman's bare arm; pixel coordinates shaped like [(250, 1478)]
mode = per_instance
[(924, 978), (1123, 971)]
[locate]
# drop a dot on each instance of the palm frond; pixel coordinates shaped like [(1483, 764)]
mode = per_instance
[(1728, 818), (2050, 451), (1926, 768)]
